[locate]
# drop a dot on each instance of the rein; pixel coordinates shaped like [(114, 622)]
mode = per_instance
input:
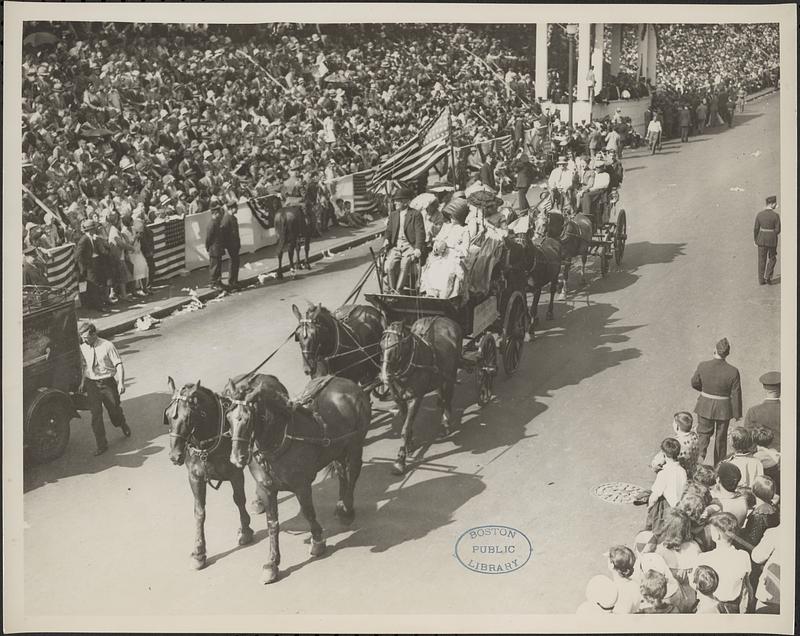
[(402, 376)]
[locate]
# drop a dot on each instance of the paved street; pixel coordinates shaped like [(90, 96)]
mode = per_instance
[(590, 404)]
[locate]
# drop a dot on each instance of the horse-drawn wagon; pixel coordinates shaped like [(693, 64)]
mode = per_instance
[(51, 372), (611, 234)]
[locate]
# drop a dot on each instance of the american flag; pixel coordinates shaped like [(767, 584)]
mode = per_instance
[(505, 143), (168, 247), (60, 268), (417, 155), (363, 199)]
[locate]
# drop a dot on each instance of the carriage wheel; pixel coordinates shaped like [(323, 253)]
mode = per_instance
[(515, 326), (620, 237), (47, 430), (604, 258), (486, 368)]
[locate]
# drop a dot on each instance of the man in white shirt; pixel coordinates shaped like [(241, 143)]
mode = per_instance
[(768, 592), (561, 182), (654, 132), (103, 382)]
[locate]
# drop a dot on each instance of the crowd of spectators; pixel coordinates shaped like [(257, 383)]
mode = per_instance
[(710, 537), (155, 120)]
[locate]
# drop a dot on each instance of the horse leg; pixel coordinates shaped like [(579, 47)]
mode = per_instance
[(446, 399), (307, 508), (198, 485), (280, 261), (341, 472), (564, 279), (584, 256), (553, 285), (351, 465), (245, 535), (270, 569), (307, 248), (399, 466), (402, 413), (537, 293)]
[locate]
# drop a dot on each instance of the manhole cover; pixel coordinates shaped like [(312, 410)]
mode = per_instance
[(618, 492)]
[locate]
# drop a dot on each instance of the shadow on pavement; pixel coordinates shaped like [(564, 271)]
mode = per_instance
[(130, 452)]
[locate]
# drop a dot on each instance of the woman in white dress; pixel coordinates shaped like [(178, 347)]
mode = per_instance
[(443, 274), (135, 256)]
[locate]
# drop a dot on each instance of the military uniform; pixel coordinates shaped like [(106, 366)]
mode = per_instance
[(720, 400), (768, 413), (765, 234)]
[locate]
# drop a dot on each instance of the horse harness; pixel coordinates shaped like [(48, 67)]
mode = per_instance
[(403, 375), (206, 447), (337, 352)]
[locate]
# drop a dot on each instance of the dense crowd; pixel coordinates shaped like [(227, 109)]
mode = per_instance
[(709, 542), (155, 120)]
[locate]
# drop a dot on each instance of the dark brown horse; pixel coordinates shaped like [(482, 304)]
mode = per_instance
[(416, 361), (200, 437), (345, 343), (576, 238), (287, 443), (294, 231)]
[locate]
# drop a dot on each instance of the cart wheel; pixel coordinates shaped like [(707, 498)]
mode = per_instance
[(486, 368), (604, 256), (514, 329), (47, 431), (620, 237)]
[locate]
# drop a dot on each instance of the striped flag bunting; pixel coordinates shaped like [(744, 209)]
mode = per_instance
[(168, 247), (60, 268), (363, 199), (417, 155)]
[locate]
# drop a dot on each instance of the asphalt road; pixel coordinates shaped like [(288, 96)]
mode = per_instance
[(591, 403)]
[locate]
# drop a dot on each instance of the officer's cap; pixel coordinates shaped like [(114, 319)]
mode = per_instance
[(771, 378), (772, 199)]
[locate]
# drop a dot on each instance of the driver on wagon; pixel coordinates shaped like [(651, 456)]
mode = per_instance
[(596, 191), (561, 182)]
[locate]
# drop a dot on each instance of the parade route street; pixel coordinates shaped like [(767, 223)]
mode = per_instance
[(590, 404)]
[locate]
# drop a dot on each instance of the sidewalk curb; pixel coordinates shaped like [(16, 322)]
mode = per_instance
[(762, 93), (207, 293)]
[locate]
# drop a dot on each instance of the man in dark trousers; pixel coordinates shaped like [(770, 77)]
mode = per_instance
[(487, 172), (525, 176), (229, 226), (765, 234), (404, 238), (684, 121), (768, 413), (215, 246), (720, 400)]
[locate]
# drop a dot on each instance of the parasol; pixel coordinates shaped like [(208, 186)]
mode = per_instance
[(40, 38), (335, 78), (442, 186), (95, 132), (484, 199), (422, 201)]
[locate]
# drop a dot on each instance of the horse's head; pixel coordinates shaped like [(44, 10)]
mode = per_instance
[(309, 334), (241, 418), (181, 418), (395, 343)]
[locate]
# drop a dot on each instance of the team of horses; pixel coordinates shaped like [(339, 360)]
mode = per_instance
[(348, 353)]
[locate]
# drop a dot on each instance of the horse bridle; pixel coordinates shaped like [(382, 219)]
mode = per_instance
[(401, 375), (202, 453), (250, 408)]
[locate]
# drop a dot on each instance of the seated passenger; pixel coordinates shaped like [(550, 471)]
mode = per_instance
[(561, 182), (596, 193), (443, 274), (616, 171)]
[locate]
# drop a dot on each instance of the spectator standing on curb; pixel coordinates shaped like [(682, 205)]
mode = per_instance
[(684, 121), (765, 235), (103, 382), (91, 256), (229, 226), (720, 400), (215, 247), (701, 115)]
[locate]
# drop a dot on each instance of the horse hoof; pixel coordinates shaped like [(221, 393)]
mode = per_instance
[(445, 432), (269, 574), (317, 548), (198, 562), (343, 513), (399, 468), (245, 536), (257, 507)]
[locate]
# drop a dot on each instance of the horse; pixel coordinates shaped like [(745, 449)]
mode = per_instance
[(200, 438), (575, 239), (285, 444), (345, 343), (294, 231), (417, 360)]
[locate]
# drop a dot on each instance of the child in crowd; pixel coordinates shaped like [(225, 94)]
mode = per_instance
[(763, 514), (725, 497), (653, 590), (770, 458), (680, 552), (621, 563), (690, 448), (668, 485), (743, 457), (601, 596), (731, 564), (767, 555), (706, 582)]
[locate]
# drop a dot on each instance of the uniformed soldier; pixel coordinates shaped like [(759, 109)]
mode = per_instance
[(720, 400), (765, 234), (768, 413)]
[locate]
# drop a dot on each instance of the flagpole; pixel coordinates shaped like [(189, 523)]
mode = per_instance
[(450, 137)]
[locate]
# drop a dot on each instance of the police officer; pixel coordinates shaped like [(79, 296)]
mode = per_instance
[(720, 400), (765, 234), (768, 413)]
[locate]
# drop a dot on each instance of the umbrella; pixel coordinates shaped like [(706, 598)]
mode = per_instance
[(95, 132), (40, 38), (335, 78), (422, 201), (442, 186)]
